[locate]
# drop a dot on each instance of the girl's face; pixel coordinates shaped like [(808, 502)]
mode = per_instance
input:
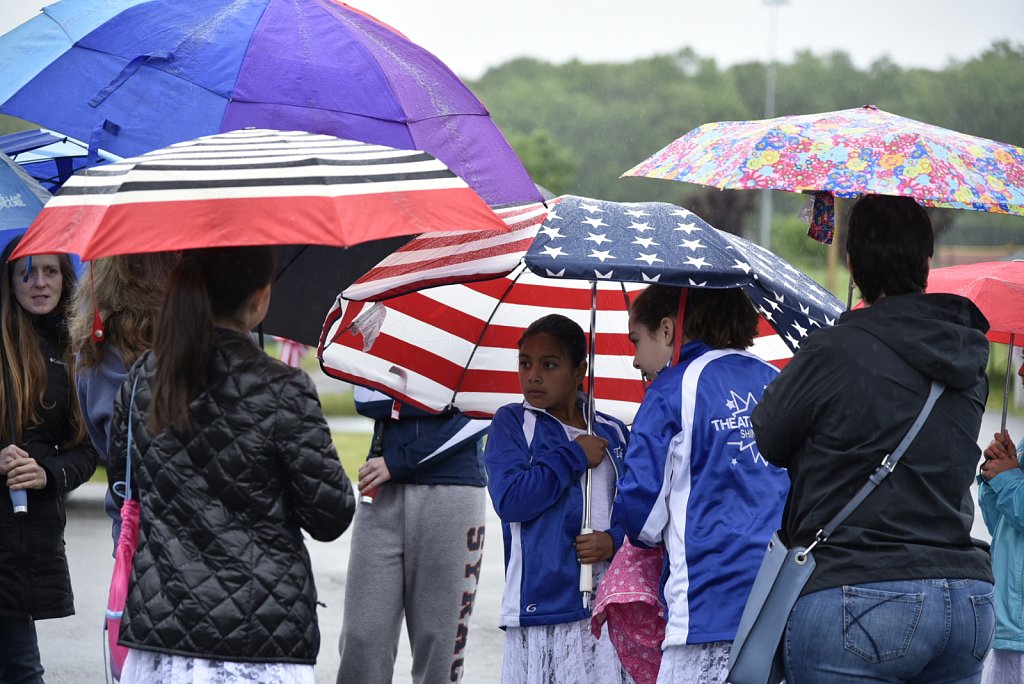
[(41, 293), (547, 376), (653, 347)]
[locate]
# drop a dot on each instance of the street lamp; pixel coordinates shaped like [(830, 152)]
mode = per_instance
[(769, 112)]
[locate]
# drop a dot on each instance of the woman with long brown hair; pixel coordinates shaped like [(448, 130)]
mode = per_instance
[(231, 459), (113, 314), (45, 454)]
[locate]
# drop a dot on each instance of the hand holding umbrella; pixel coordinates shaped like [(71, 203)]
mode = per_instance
[(591, 546), (1000, 455), (22, 473)]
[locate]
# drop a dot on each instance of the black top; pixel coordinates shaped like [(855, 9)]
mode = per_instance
[(845, 400), (221, 570), (35, 567)]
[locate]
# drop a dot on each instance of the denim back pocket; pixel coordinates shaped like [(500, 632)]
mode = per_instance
[(984, 623), (879, 625)]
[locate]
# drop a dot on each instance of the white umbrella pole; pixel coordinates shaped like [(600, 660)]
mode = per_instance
[(587, 570), (1009, 374)]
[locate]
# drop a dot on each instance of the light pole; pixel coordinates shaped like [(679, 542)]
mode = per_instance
[(769, 112)]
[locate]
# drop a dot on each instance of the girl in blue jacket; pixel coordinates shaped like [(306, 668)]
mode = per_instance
[(537, 455), (695, 481), (1001, 497)]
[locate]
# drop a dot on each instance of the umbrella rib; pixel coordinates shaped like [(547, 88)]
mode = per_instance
[(476, 345)]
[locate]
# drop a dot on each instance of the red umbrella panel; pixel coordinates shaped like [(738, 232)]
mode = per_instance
[(997, 288), (457, 345), (255, 187)]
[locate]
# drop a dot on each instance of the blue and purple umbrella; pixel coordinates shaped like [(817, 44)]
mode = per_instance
[(131, 76)]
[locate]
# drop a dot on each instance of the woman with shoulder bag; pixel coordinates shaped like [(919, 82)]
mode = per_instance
[(900, 591)]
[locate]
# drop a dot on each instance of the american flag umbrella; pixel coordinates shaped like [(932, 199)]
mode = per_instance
[(455, 345)]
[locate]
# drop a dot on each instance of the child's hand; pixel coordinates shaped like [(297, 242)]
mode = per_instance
[(593, 447), (594, 547), (1000, 455)]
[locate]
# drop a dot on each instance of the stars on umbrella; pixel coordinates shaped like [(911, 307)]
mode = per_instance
[(640, 240), (552, 233)]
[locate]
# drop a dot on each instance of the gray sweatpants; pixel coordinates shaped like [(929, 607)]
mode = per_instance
[(416, 549)]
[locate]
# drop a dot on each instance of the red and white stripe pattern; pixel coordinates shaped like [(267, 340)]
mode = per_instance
[(255, 187), (453, 257), (456, 345)]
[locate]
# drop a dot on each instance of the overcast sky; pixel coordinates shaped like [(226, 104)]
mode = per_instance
[(472, 35)]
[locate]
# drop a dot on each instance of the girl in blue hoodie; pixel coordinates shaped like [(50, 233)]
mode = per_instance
[(538, 452)]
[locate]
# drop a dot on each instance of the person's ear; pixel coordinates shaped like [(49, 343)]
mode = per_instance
[(667, 330), (581, 372)]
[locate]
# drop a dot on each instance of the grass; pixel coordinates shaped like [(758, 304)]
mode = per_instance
[(352, 449), (338, 404)]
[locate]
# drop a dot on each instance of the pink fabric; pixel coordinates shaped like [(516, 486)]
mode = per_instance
[(629, 600), (126, 544)]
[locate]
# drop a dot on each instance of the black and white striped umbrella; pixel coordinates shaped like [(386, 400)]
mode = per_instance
[(255, 187)]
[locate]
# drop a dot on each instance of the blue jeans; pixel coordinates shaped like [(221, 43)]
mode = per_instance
[(19, 652), (928, 631)]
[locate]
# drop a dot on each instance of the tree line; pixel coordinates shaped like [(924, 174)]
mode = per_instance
[(578, 126)]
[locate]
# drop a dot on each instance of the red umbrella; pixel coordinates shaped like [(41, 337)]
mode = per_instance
[(997, 288), (255, 187)]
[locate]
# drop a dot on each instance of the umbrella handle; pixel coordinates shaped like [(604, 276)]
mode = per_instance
[(587, 570), (586, 576), (1006, 391)]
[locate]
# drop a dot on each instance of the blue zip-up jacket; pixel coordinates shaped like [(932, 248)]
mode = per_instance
[(696, 482), (534, 478), (424, 448), (1002, 506)]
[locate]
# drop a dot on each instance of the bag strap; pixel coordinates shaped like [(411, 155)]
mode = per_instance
[(883, 470), (127, 482)]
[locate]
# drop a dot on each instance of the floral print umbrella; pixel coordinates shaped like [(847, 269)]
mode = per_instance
[(846, 154)]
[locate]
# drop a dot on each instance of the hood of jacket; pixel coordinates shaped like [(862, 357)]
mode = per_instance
[(940, 335)]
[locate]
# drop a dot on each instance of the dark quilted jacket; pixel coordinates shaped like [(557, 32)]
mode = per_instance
[(34, 566), (221, 571)]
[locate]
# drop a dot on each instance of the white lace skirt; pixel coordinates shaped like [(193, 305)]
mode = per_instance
[(150, 667), (561, 654), (695, 663)]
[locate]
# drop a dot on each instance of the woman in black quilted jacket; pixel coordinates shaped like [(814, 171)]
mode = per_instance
[(232, 459)]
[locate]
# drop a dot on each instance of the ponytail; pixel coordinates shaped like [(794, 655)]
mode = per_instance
[(182, 342)]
